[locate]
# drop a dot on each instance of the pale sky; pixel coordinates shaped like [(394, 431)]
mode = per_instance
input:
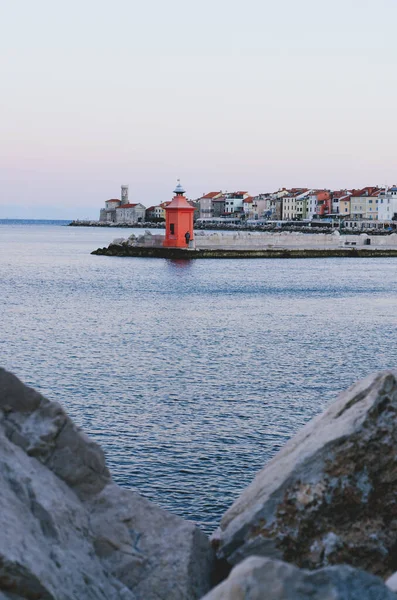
[(222, 94)]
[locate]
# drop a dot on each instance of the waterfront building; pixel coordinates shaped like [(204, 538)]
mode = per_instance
[(301, 207), (387, 204), (159, 211), (344, 205), (324, 203), (130, 213), (218, 207), (108, 214), (263, 206), (206, 206), (150, 214), (311, 204), (122, 211), (249, 209), (294, 207), (112, 204), (364, 203), (234, 203), (178, 220), (358, 206), (337, 196), (278, 209)]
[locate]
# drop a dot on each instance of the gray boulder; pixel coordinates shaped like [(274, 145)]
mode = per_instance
[(392, 582), (67, 531), (258, 578), (330, 495), (153, 552)]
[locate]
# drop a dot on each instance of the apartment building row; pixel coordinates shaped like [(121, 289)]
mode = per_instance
[(369, 203)]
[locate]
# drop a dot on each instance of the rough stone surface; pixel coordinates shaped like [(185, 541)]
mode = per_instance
[(330, 495), (258, 578), (67, 531), (392, 582), (151, 551)]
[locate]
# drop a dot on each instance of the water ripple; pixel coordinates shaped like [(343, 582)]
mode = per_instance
[(191, 376)]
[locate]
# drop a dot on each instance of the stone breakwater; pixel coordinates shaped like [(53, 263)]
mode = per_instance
[(319, 520), (256, 245)]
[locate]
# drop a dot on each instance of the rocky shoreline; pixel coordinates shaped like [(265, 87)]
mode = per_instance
[(270, 227), (111, 225), (319, 520)]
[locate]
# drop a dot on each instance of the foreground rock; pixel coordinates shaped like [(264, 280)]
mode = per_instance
[(330, 495), (67, 531), (257, 578)]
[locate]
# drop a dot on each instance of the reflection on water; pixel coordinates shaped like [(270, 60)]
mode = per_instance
[(190, 383), (179, 263)]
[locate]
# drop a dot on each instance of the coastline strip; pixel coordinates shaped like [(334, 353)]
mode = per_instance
[(189, 254)]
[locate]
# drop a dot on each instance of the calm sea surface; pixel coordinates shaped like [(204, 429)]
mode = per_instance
[(191, 375)]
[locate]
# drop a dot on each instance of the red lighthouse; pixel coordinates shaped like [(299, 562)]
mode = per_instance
[(178, 220)]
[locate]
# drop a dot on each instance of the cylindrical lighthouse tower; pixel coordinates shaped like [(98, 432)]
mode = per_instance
[(178, 221)]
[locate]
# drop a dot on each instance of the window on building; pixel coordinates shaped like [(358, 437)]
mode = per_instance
[(172, 228)]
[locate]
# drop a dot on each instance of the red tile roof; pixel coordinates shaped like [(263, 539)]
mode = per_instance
[(340, 194), (113, 200), (367, 191), (126, 206), (211, 194)]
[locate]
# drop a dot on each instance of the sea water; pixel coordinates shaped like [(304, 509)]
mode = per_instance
[(191, 375)]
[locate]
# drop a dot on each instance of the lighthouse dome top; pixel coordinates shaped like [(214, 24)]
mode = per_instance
[(179, 188)]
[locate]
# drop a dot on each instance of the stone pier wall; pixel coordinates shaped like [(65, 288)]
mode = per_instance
[(248, 240), (268, 240)]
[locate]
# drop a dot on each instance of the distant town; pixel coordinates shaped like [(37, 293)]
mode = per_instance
[(368, 207)]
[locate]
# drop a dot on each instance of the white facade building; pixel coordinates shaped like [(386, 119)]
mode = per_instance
[(387, 204), (311, 204), (130, 213), (234, 202), (293, 207)]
